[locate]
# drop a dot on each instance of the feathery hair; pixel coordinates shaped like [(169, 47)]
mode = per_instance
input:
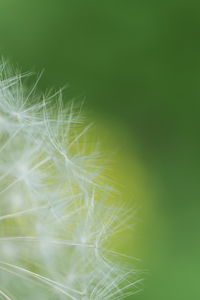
[(56, 219)]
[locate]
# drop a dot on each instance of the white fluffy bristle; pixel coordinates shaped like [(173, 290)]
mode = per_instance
[(57, 221)]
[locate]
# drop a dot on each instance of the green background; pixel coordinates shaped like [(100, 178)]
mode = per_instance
[(138, 65)]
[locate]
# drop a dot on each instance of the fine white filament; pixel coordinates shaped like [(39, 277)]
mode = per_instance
[(56, 219)]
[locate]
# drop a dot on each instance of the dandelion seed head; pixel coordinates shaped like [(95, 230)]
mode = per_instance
[(57, 221)]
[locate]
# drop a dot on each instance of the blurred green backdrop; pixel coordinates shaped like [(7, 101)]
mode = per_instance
[(138, 64)]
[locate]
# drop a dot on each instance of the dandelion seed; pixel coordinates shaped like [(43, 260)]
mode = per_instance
[(56, 224)]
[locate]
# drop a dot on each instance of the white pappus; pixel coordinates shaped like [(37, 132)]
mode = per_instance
[(56, 217)]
